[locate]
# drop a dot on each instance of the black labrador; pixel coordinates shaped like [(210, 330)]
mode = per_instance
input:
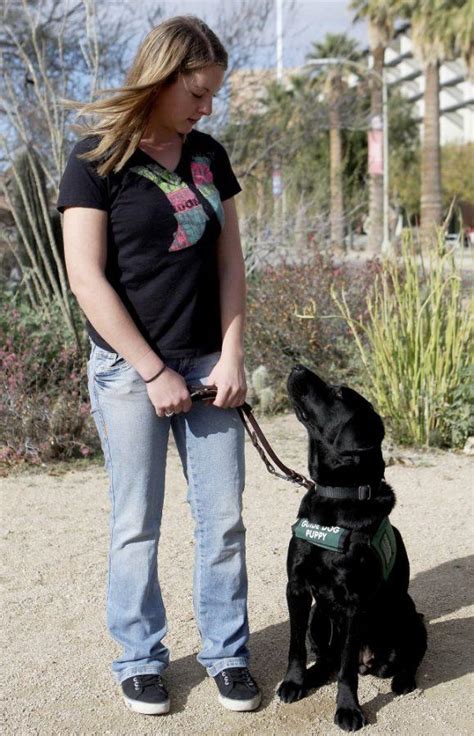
[(348, 569)]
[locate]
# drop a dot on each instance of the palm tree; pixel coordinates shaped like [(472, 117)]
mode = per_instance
[(340, 47), (433, 37), (462, 27), (381, 16)]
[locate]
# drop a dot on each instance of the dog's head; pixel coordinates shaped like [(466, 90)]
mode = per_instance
[(345, 432)]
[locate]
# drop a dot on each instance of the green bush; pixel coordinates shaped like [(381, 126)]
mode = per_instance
[(415, 347)]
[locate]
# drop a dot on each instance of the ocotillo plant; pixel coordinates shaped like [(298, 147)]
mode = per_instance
[(415, 344)]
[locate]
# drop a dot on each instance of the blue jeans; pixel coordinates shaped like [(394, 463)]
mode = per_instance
[(210, 442)]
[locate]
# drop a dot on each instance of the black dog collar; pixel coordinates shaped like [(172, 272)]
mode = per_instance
[(348, 493)]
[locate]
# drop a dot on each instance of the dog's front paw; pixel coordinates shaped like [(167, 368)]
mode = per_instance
[(349, 719), (290, 692), (403, 683)]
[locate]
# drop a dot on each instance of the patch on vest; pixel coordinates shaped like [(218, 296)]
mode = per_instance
[(385, 545), (335, 539), (329, 537)]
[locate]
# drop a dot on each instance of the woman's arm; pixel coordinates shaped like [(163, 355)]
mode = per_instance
[(228, 374), (85, 249)]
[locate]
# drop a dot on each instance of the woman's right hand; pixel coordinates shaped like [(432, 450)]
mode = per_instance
[(169, 394)]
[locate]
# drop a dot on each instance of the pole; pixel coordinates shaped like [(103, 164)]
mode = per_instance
[(279, 40), (386, 210), (279, 200)]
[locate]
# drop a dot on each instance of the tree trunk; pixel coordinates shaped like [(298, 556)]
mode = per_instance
[(431, 202), (376, 180), (335, 148)]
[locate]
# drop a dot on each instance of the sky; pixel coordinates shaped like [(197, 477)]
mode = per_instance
[(304, 21)]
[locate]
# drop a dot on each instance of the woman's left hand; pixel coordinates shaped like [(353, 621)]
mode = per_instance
[(228, 375)]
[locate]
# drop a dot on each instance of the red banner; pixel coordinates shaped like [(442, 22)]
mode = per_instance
[(277, 183), (375, 152)]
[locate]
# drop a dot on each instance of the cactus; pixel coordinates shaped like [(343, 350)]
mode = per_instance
[(267, 397), (33, 227), (260, 389), (251, 395)]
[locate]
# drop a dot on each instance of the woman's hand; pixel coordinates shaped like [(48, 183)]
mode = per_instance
[(228, 376), (169, 394)]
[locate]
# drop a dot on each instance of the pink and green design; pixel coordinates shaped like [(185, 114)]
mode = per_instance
[(189, 213), (204, 181)]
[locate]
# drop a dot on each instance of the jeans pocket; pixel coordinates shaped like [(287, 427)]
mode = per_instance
[(105, 363)]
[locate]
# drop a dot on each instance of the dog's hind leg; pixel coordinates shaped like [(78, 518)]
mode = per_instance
[(299, 603), (410, 652)]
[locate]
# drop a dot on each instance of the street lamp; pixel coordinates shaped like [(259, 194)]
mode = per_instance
[(381, 77)]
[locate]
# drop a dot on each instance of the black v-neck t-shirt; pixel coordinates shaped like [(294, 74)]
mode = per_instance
[(162, 236)]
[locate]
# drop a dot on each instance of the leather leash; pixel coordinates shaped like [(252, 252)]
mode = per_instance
[(258, 439)]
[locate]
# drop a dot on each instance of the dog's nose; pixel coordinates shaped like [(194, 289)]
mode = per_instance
[(298, 368), (304, 377), (297, 378)]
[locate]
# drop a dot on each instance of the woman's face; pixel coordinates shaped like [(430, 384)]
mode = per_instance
[(183, 103)]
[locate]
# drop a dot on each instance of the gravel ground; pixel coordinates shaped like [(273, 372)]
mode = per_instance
[(57, 651)]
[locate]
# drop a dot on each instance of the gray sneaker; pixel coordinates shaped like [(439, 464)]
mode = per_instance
[(237, 689), (146, 694)]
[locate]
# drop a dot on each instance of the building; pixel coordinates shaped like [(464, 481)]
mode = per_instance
[(403, 70), (456, 97), (248, 89)]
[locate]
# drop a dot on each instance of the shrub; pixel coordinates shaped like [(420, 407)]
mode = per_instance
[(415, 347), (291, 318), (44, 404)]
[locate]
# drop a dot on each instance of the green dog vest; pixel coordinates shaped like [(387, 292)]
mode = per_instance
[(336, 539)]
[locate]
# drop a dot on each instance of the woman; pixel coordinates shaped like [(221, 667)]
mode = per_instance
[(153, 256)]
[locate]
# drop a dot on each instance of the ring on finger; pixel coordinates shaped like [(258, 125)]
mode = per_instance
[(169, 413)]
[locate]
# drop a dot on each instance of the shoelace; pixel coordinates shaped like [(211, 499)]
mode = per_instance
[(140, 682), (237, 675)]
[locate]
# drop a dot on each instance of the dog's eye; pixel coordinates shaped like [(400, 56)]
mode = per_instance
[(302, 416)]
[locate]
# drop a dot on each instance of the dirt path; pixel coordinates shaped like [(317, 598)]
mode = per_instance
[(57, 651)]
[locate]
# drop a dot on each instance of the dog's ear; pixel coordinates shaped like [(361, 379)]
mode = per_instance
[(362, 433)]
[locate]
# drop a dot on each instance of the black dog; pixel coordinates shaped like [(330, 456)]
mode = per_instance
[(363, 620)]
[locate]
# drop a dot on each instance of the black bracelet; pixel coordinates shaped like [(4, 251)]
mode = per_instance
[(149, 380)]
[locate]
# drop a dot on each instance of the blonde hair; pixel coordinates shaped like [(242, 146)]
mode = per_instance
[(179, 45)]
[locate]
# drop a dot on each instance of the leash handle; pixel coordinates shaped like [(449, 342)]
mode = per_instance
[(258, 439), (200, 393)]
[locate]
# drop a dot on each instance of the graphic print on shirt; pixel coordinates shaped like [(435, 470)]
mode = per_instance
[(204, 181), (189, 213)]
